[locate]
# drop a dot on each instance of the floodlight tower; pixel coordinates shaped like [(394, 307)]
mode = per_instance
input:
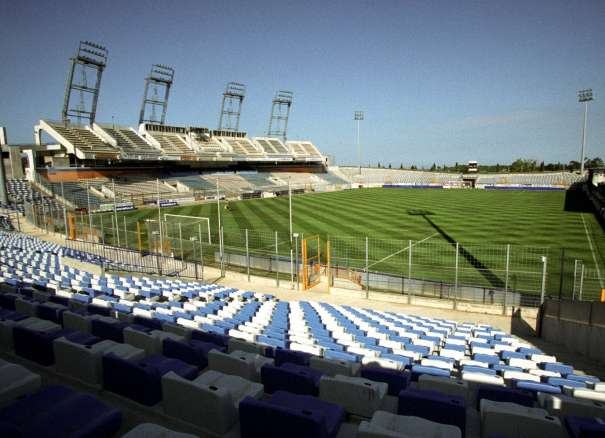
[(280, 111), (231, 107), (358, 117), (90, 57), (160, 80), (584, 96)]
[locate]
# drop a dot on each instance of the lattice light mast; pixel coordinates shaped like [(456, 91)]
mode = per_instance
[(155, 96), (280, 111), (358, 116), (231, 107), (584, 96), (89, 58)]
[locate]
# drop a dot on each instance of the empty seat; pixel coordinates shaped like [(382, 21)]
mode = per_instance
[(331, 367), (210, 401), (296, 357), (150, 430), (15, 382), (418, 370), (396, 380), (78, 320), (192, 352), (444, 385), (148, 339), (35, 342), (588, 394), (108, 328), (286, 414), (387, 425), (585, 427), (433, 406), (500, 394), (83, 360), (517, 421), (60, 411), (359, 396), (240, 345), (238, 363), (140, 380), (564, 405), (292, 378), (8, 320)]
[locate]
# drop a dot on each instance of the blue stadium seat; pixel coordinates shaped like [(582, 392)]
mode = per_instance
[(291, 415), (433, 406), (141, 380), (192, 352), (397, 380), (296, 357), (499, 394), (585, 427), (59, 411), (290, 377)]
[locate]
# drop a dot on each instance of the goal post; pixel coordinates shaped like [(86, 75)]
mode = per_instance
[(190, 224)]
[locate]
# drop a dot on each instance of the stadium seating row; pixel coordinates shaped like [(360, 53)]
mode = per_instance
[(148, 340)]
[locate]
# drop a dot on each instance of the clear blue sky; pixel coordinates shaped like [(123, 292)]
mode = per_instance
[(439, 81)]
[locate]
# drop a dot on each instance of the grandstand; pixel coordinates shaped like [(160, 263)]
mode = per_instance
[(216, 360), (219, 359)]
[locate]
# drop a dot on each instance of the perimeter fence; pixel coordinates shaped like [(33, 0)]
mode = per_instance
[(505, 274)]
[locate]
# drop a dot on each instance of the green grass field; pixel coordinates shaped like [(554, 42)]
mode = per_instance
[(482, 221)]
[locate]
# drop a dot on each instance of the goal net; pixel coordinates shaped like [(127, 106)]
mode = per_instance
[(184, 227)]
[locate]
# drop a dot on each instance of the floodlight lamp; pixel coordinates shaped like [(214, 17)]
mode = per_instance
[(585, 95)]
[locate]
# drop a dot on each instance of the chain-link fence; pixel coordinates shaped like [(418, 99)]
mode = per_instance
[(490, 274)]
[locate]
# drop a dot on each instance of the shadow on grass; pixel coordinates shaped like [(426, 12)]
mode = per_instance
[(492, 278)]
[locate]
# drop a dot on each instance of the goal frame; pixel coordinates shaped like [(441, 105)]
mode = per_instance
[(195, 218)]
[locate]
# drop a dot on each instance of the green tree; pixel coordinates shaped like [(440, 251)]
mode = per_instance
[(389, 165), (433, 167)]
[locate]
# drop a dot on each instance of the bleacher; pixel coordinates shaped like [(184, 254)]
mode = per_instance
[(172, 144), (131, 143), (222, 360), (20, 192), (84, 140), (303, 149), (139, 185), (77, 193), (561, 179), (272, 146), (241, 146)]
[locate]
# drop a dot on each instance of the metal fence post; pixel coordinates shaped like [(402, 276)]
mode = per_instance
[(181, 242), (222, 250), (506, 278), (125, 234), (575, 276), (276, 260), (543, 289), (410, 271), (456, 278), (247, 257), (581, 281), (367, 269)]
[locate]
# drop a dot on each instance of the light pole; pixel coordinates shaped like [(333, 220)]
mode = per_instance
[(584, 96), (296, 269), (358, 117)]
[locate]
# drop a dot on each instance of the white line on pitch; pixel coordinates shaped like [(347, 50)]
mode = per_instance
[(594, 257), (401, 250)]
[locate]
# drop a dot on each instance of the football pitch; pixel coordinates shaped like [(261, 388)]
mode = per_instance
[(482, 222)]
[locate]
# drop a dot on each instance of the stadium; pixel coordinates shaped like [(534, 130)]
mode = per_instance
[(169, 280)]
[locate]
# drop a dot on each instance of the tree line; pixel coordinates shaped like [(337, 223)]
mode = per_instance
[(520, 165)]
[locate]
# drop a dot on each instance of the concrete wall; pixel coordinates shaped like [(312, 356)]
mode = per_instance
[(580, 326)]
